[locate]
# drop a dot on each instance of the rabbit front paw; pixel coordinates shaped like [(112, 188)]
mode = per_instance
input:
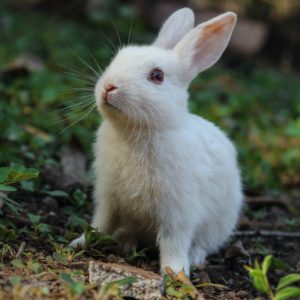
[(79, 242)]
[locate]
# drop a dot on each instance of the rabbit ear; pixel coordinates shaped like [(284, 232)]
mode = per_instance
[(204, 45), (174, 28)]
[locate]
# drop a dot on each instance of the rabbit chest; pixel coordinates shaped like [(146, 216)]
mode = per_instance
[(141, 179)]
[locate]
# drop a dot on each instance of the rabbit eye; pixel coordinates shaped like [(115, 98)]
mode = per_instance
[(156, 75)]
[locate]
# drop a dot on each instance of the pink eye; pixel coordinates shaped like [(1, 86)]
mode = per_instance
[(156, 75)]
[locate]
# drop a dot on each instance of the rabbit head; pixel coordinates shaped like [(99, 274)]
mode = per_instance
[(147, 85)]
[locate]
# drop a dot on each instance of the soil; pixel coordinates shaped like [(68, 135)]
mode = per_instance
[(266, 227)]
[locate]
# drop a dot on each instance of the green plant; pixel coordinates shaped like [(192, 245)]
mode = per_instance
[(75, 288), (12, 175), (30, 265), (79, 198), (39, 228), (260, 280), (260, 248), (94, 238), (65, 255), (291, 223), (177, 289), (7, 234), (6, 251), (134, 254), (113, 290), (259, 214)]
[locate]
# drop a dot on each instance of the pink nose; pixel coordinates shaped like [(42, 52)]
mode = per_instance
[(108, 88)]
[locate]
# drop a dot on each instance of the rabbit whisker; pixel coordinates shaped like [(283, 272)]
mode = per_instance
[(84, 62), (89, 110), (130, 30), (113, 49), (118, 36)]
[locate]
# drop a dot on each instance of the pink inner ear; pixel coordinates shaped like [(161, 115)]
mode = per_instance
[(218, 27), (213, 29), (204, 45), (212, 33)]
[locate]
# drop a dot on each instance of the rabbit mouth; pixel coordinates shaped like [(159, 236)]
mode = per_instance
[(111, 106)]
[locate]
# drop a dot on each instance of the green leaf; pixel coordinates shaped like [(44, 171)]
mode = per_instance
[(78, 287), (45, 291), (43, 228), (125, 281), (74, 220), (4, 171), (187, 288), (16, 168), (79, 253), (259, 281), (134, 254), (17, 173), (35, 267), (280, 264), (287, 293), (13, 205), (287, 280), (249, 269), (8, 234), (35, 219), (75, 287), (7, 188), (167, 279), (79, 197), (62, 259), (57, 193), (256, 265), (18, 263), (171, 291), (215, 285), (266, 264), (95, 238), (26, 176), (27, 186), (66, 277), (15, 280)]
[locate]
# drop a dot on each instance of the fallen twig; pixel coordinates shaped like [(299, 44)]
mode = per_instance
[(268, 200), (21, 249), (286, 202), (268, 233)]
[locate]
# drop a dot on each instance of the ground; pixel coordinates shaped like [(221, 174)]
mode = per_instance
[(36, 254), (47, 132)]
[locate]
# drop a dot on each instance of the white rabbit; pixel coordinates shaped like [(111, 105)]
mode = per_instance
[(164, 176)]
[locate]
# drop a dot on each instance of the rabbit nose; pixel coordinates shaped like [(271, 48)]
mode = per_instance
[(108, 88)]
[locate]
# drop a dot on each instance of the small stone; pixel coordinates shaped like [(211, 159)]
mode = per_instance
[(242, 293), (231, 294), (147, 285), (236, 250), (51, 203)]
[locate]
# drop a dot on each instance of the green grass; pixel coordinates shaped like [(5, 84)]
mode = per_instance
[(259, 110)]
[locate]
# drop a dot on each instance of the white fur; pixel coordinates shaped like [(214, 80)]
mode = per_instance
[(175, 28), (164, 176)]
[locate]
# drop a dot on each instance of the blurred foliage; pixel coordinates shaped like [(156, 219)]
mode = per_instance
[(257, 9), (258, 109)]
